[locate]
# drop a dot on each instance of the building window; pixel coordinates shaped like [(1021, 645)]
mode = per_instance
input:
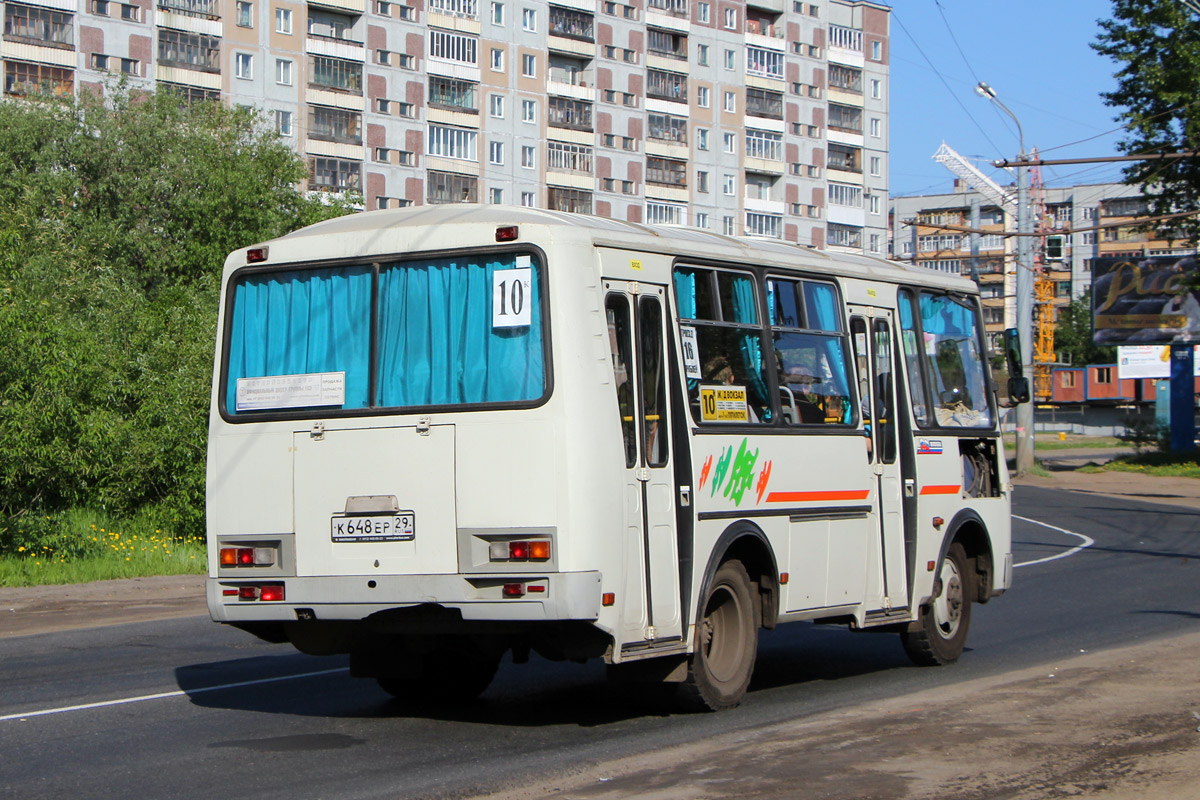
[(496, 105), (843, 236), (496, 196), (100, 8), (658, 213), (528, 159), (451, 142), (529, 65), (283, 72), (1104, 375), (338, 74), (527, 199), (845, 118), (244, 13), (497, 13), (39, 26), (876, 89), (468, 9), (876, 127), (702, 220), (701, 181), (450, 187), (1067, 379), (876, 51), (453, 94), (729, 226), (766, 225), (766, 145), (731, 19), (765, 63), (667, 128), (453, 47), (283, 20), (876, 165), (529, 20), (283, 123), (334, 174), (873, 204), (702, 96), (99, 61), (671, 86), (730, 59), (730, 142), (729, 185), (243, 65), (330, 124), (702, 55), (730, 102), (576, 201), (702, 12), (874, 243), (497, 59), (702, 138), (529, 111), (496, 153), (131, 13)]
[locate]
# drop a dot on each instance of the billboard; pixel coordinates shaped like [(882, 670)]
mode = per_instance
[(1145, 300), (1149, 361)]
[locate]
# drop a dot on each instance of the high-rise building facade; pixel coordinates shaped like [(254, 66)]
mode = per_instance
[(759, 117)]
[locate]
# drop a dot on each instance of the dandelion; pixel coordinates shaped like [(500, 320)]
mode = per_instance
[(21, 549)]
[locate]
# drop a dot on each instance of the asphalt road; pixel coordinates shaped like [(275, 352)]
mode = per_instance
[(186, 708)]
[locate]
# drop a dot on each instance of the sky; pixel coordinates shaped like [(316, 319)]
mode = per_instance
[(1034, 54)]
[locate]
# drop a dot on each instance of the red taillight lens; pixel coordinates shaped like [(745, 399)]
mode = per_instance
[(506, 233), (271, 593), (514, 590), (247, 593), (245, 555), (518, 551), (539, 551)]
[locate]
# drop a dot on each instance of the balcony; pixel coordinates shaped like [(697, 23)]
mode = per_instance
[(204, 9), (668, 44), (450, 187), (21, 79), (666, 172), (763, 103), (335, 74), (668, 86), (674, 8), (571, 24), (466, 9), (453, 94), (565, 112), (566, 157), (39, 26), (334, 125)]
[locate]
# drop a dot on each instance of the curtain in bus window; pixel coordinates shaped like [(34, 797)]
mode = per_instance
[(750, 343), (824, 314), (437, 343), (685, 293), (951, 350), (302, 323)]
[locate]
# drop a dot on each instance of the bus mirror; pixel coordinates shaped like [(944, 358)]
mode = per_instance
[(1018, 391), (1012, 352)]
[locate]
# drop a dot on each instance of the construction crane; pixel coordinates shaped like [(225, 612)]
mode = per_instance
[(1043, 286)]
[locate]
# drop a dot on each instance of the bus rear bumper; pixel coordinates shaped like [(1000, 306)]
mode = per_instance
[(552, 597)]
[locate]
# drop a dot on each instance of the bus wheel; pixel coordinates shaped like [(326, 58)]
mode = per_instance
[(726, 643), (448, 675), (940, 632)]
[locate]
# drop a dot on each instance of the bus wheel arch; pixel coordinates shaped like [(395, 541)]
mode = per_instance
[(970, 531), (738, 596)]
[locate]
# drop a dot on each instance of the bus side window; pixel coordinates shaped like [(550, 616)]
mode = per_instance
[(620, 342), (862, 364), (806, 334)]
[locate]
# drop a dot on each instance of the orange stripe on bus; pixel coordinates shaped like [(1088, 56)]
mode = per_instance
[(807, 497), (949, 489)]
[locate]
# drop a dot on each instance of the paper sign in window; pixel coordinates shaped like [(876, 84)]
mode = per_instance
[(291, 391), (691, 352), (724, 404), (512, 298)]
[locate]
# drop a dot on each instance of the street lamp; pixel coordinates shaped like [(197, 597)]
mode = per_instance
[(1024, 283)]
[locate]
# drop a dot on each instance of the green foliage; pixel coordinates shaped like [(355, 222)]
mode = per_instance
[(115, 219), (1156, 46), (1073, 334)]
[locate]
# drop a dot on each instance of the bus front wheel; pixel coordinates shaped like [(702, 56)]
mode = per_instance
[(940, 632), (726, 643)]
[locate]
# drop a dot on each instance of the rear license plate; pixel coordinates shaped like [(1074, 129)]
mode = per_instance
[(398, 527)]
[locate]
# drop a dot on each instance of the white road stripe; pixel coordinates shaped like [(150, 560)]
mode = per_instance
[(161, 695), (1087, 542)]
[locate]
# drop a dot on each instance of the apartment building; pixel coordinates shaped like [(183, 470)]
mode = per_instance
[(1077, 223), (759, 117)]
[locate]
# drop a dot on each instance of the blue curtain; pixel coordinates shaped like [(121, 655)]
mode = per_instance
[(436, 342), (301, 322), (750, 344), (824, 314), (685, 293), (943, 316)]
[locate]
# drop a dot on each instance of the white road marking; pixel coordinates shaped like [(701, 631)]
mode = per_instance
[(161, 695), (1087, 542)]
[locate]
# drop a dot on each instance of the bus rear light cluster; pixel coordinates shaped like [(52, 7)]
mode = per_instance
[(535, 550), (267, 593), (247, 556), (519, 589)]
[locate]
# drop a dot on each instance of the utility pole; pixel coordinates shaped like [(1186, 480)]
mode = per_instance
[(1024, 284)]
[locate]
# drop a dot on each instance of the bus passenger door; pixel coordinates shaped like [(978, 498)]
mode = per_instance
[(871, 330), (638, 333)]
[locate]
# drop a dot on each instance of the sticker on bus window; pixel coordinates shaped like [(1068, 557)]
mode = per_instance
[(691, 352), (291, 391), (724, 404), (511, 297)]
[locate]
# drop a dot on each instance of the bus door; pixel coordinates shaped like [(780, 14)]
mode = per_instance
[(638, 331), (871, 332)]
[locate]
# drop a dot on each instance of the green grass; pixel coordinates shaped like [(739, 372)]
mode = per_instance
[(79, 546), (1050, 441), (1167, 465)]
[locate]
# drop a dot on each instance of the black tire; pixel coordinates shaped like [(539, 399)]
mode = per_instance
[(448, 676), (940, 632), (726, 643)]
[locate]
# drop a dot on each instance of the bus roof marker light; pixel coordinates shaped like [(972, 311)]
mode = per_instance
[(506, 233), (256, 255)]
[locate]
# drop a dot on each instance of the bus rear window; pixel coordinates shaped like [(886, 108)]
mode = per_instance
[(444, 332)]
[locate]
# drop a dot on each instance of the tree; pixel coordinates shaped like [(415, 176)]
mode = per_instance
[(1073, 334), (1156, 44), (116, 215)]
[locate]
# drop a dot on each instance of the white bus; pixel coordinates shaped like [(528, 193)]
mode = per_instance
[(446, 433)]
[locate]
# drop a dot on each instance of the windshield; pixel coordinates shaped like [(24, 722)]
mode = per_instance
[(408, 334), (946, 370)]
